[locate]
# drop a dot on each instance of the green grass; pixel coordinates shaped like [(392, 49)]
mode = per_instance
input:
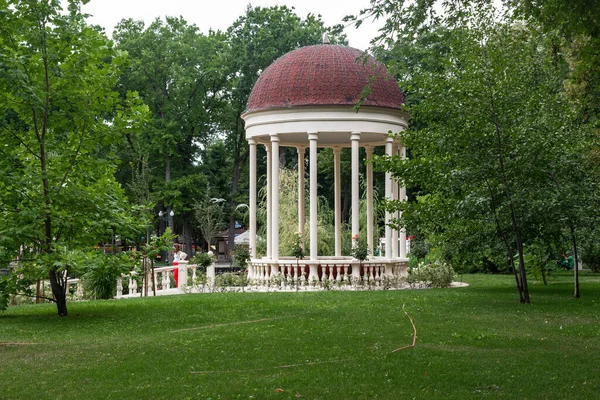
[(474, 342)]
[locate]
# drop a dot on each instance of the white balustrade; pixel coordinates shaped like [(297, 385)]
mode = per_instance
[(133, 285), (119, 288)]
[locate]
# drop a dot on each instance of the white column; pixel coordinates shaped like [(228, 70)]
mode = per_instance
[(312, 138), (301, 217), (355, 139), (252, 205), (370, 228), (274, 200), (269, 190), (388, 195), (337, 200), (402, 198), (395, 215)]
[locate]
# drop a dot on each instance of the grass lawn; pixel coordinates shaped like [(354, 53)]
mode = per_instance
[(473, 342)]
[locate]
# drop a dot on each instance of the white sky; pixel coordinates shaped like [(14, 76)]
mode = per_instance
[(220, 14)]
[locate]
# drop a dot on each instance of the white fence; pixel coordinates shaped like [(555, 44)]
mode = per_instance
[(171, 279)]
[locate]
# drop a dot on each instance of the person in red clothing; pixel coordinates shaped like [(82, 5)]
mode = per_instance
[(178, 255)]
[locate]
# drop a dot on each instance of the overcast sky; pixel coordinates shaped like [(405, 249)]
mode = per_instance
[(220, 14)]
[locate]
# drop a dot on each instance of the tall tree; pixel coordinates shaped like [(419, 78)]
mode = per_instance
[(178, 72), (58, 191), (485, 134)]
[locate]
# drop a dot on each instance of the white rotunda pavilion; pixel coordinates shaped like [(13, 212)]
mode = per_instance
[(305, 99)]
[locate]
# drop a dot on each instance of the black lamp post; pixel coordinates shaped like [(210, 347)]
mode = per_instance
[(167, 217)]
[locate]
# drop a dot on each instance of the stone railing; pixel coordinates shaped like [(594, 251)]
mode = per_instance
[(326, 268), (172, 279)]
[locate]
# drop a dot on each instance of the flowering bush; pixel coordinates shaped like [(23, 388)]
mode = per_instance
[(434, 275), (297, 250), (203, 260)]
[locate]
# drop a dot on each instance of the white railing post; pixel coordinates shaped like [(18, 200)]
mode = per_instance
[(210, 275), (132, 284), (166, 279), (79, 290), (183, 274), (119, 287), (194, 276)]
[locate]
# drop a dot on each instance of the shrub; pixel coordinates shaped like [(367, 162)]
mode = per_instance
[(237, 279), (241, 255), (436, 274), (360, 252), (591, 257), (100, 279), (203, 260), (418, 247)]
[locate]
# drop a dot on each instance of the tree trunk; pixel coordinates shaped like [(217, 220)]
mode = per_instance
[(282, 157), (38, 297), (509, 251), (169, 254), (344, 214), (237, 167), (576, 266), (544, 275), (144, 291), (513, 216), (522, 271), (187, 234), (515, 272), (153, 281), (59, 291)]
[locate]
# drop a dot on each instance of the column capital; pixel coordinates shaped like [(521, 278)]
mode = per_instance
[(369, 148), (274, 137), (313, 135), (267, 146), (389, 139), (355, 136), (251, 141), (300, 149), (336, 149)]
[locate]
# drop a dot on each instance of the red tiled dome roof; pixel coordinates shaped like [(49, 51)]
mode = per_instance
[(327, 75)]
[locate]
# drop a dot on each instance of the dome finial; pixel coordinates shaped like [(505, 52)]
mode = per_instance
[(325, 38)]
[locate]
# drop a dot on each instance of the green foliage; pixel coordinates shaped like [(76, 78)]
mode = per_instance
[(102, 271), (418, 247), (158, 244), (59, 118), (288, 217), (231, 279), (540, 258), (297, 251), (591, 256), (360, 251), (433, 275), (241, 255), (13, 284), (211, 218), (492, 167), (203, 260)]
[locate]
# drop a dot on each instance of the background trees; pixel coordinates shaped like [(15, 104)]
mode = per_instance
[(177, 72), (493, 129), (503, 143)]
